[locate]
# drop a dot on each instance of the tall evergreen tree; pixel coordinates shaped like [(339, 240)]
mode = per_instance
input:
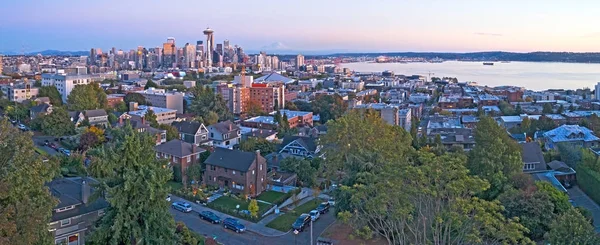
[(25, 202), (134, 183)]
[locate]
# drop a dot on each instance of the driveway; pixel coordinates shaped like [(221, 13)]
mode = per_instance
[(228, 237), (582, 200)]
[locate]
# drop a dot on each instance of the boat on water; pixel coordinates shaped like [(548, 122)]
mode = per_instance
[(488, 63), (505, 62)]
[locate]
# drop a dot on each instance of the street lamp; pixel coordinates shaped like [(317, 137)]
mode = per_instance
[(295, 236), (311, 236)]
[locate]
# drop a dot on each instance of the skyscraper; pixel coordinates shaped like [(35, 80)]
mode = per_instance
[(189, 54), (299, 61), (226, 44), (93, 55), (1, 65), (200, 54), (169, 53), (209, 46)]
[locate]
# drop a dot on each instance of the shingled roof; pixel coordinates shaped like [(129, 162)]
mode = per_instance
[(178, 148), (187, 127), (95, 113), (306, 142), (225, 127), (231, 159)]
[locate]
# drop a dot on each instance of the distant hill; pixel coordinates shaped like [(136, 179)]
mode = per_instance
[(60, 53), (493, 56)]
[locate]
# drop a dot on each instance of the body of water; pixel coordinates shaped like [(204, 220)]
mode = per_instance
[(531, 75)]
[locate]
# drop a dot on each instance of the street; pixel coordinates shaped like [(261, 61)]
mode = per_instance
[(229, 237), (38, 139)]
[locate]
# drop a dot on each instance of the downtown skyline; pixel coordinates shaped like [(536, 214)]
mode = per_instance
[(389, 26)]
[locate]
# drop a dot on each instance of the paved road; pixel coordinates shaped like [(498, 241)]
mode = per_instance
[(38, 139), (581, 199), (229, 237)]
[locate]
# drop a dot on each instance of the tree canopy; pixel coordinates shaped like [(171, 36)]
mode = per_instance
[(135, 97), (495, 157), (151, 118), (87, 97), (25, 202), (56, 123), (206, 101), (172, 132), (134, 183), (329, 107), (52, 93), (253, 144), (572, 228)]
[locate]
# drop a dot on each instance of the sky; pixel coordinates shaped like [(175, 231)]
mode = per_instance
[(345, 25)]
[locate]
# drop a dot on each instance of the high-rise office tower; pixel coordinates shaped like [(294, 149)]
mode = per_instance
[(299, 61), (220, 48), (226, 44), (189, 55), (275, 63), (169, 53), (200, 54), (1, 65), (209, 46), (93, 56)]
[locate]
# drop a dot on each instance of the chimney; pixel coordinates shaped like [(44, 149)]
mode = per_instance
[(230, 127), (257, 155), (85, 191), (133, 106)]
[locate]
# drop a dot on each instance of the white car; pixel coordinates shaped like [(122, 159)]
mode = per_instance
[(22, 127), (314, 215), (331, 201)]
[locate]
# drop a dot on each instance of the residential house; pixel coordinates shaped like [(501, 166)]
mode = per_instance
[(224, 134), (533, 158), (455, 137), (300, 146), (160, 135), (509, 122), (76, 117), (96, 117), (192, 132), (241, 172), (181, 155), (38, 110), (270, 135), (76, 214), (570, 134)]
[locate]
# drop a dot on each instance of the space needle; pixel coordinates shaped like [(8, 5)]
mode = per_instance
[(209, 46)]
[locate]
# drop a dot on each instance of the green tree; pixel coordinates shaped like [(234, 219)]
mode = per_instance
[(135, 97), (52, 93), (56, 123), (534, 209), (329, 107), (206, 101), (290, 106), (254, 108), (185, 236), (506, 109), (253, 208), (87, 141), (572, 228), (495, 157), (151, 118), (112, 118), (133, 182), (570, 154), (547, 109), (301, 167), (121, 107), (561, 109), (194, 172), (559, 199), (252, 144), (518, 109), (25, 202), (172, 132), (150, 84), (17, 112), (82, 98), (302, 105)]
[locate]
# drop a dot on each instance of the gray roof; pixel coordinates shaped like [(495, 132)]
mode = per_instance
[(68, 192), (187, 127), (225, 127), (306, 142), (532, 153), (95, 113), (178, 148), (261, 133), (558, 165), (39, 108), (274, 77), (231, 159)]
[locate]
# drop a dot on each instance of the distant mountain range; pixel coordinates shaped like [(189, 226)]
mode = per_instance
[(50, 52)]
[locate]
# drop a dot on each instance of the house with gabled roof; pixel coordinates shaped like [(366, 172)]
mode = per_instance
[(533, 158), (180, 154), (192, 132), (240, 171), (574, 135), (224, 134), (96, 117), (300, 146)]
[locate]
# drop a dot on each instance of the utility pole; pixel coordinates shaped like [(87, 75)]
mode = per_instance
[(311, 231)]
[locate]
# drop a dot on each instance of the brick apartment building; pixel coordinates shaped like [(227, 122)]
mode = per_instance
[(241, 172)]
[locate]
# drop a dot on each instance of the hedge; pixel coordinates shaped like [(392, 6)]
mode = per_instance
[(589, 182)]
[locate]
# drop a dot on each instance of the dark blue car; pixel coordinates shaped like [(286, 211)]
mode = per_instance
[(210, 217), (234, 225)]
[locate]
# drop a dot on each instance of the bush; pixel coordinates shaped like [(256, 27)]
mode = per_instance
[(589, 181)]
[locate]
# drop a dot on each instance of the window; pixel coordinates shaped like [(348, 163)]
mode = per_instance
[(189, 159), (241, 173), (213, 168), (529, 166), (61, 241), (227, 142), (252, 172), (225, 170), (232, 171), (261, 179), (65, 209), (74, 239), (215, 179), (261, 167), (65, 222), (212, 135)]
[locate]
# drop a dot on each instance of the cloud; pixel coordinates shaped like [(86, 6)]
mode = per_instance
[(487, 34)]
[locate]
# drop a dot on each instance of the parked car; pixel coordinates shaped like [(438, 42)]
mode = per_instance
[(323, 207), (182, 206), (234, 225), (210, 217), (22, 127), (66, 152), (301, 222), (314, 215), (331, 201), (246, 212), (168, 198), (53, 146)]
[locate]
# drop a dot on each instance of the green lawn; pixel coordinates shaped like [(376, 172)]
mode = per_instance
[(284, 222), (230, 203), (40, 151), (175, 185), (270, 196)]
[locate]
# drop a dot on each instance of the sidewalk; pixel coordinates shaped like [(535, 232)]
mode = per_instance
[(257, 228)]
